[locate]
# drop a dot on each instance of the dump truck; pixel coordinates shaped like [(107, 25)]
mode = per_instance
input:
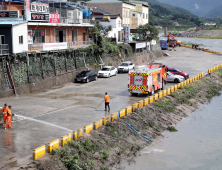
[(144, 80)]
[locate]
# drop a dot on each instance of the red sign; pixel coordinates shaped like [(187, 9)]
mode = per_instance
[(54, 18), (139, 79), (27, 5)]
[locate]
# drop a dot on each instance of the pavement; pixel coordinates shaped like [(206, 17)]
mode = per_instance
[(51, 114)]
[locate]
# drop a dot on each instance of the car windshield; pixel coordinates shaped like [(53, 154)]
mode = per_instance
[(170, 74), (178, 70), (83, 73), (124, 64), (105, 69)]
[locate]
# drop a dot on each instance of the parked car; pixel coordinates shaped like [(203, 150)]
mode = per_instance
[(86, 76), (107, 71), (174, 78), (125, 67), (178, 72)]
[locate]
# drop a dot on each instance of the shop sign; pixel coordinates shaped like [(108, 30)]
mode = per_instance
[(54, 46), (38, 7), (8, 14), (54, 18), (127, 31), (140, 45), (38, 17)]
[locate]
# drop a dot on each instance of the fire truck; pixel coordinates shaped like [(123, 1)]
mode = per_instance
[(145, 80), (164, 70)]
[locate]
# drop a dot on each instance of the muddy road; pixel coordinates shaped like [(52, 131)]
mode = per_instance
[(49, 115)]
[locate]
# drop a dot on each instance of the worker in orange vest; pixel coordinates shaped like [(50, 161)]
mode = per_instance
[(9, 118), (106, 98), (4, 110)]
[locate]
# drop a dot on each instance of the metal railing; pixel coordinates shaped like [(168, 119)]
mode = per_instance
[(70, 45), (4, 48)]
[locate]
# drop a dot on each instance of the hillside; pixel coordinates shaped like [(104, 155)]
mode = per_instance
[(198, 7), (216, 12), (172, 9)]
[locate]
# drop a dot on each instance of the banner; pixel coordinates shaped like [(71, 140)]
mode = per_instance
[(9, 14), (127, 31), (54, 18), (140, 45), (54, 46)]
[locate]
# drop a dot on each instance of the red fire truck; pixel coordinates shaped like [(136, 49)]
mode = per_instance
[(145, 80), (164, 70)]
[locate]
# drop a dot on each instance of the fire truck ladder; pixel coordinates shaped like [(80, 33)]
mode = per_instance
[(6, 73)]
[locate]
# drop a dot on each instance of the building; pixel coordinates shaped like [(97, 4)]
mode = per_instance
[(48, 26), (133, 13)]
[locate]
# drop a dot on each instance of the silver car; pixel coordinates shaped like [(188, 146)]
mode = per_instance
[(174, 78)]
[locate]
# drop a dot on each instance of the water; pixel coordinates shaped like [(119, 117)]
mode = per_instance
[(43, 122), (195, 146)]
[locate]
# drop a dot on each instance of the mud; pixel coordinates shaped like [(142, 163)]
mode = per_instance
[(109, 145)]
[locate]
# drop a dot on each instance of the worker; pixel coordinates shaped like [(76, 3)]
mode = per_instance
[(9, 117), (106, 98), (4, 110)]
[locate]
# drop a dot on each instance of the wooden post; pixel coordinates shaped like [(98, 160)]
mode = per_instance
[(65, 61), (41, 65)]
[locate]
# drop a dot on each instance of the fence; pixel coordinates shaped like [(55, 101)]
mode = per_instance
[(4, 48)]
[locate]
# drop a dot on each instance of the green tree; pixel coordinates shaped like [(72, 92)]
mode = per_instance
[(142, 29)]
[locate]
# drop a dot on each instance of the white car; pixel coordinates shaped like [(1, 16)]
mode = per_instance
[(126, 66), (107, 71), (174, 78)]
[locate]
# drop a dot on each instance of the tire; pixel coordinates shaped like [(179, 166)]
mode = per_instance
[(87, 80), (95, 78), (179, 45), (163, 84), (176, 80), (109, 76), (134, 94), (115, 73)]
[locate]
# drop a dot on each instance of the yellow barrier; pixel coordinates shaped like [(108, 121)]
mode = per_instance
[(150, 99), (155, 96), (106, 119), (88, 128), (160, 94), (128, 110), (134, 106), (168, 91), (122, 113), (38, 152), (97, 124), (175, 87), (114, 116), (65, 139), (178, 85), (140, 104), (202, 74), (77, 134), (145, 102), (181, 84), (164, 93), (171, 89), (187, 81), (52, 145)]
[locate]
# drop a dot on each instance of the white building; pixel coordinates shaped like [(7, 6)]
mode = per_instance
[(116, 23)]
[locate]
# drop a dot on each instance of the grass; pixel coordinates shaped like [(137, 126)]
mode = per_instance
[(104, 154), (210, 37), (166, 105), (172, 129)]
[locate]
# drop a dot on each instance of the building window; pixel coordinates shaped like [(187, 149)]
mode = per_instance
[(74, 35), (143, 15), (21, 39), (146, 16), (38, 36), (60, 35), (119, 23), (134, 15)]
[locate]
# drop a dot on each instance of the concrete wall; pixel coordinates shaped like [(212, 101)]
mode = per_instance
[(19, 30)]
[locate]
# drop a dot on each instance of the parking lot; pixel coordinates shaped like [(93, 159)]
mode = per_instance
[(76, 105)]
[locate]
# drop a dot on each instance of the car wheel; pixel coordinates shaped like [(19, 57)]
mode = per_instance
[(176, 80), (115, 73), (87, 80), (95, 78), (109, 76)]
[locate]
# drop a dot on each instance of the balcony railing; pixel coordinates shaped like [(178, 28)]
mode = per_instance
[(70, 45), (4, 48)]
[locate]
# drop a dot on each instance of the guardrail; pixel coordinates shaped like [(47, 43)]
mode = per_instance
[(203, 49), (39, 152), (4, 48)]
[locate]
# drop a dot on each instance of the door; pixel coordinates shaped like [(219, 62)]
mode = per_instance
[(74, 35), (2, 39), (60, 36), (118, 35), (84, 36), (112, 71)]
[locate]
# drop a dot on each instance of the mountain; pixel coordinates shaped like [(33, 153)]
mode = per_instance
[(171, 8), (197, 7), (214, 13)]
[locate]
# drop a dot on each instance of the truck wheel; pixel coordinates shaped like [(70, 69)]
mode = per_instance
[(179, 45), (134, 94), (152, 91), (163, 83)]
